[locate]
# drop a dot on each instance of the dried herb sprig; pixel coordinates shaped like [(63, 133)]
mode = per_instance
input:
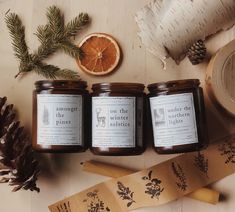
[(18, 167), (125, 193), (94, 203), (53, 36), (153, 186), (227, 149), (201, 162), (180, 175)]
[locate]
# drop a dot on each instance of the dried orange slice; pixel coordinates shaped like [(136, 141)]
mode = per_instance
[(101, 54)]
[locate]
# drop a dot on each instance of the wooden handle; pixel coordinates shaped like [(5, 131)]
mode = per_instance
[(202, 194)]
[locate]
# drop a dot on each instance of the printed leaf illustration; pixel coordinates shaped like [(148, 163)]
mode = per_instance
[(201, 162), (64, 207), (227, 149), (94, 203), (182, 180), (150, 174), (125, 193), (153, 187)]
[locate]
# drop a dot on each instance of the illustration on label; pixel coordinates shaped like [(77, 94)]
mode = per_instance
[(45, 116), (173, 120), (59, 119), (100, 119), (159, 116), (113, 121)]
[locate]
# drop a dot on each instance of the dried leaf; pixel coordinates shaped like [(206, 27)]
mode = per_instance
[(150, 175), (129, 204)]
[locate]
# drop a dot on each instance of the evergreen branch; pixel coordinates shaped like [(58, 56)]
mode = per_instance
[(55, 20), (53, 36), (71, 49), (17, 33), (44, 51), (43, 33), (67, 74), (54, 72), (43, 71), (59, 40), (49, 43), (76, 24)]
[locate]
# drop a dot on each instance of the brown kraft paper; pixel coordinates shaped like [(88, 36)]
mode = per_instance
[(157, 185)]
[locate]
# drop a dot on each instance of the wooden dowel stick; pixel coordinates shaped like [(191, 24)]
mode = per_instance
[(202, 194), (205, 195), (105, 169)]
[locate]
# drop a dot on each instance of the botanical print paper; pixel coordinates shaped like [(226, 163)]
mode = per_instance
[(157, 185)]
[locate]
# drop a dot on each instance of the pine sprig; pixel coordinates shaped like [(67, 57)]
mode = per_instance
[(55, 21), (50, 71), (17, 33), (75, 25), (71, 49), (53, 36), (43, 32)]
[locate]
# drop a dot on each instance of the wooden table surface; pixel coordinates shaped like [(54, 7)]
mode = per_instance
[(62, 175)]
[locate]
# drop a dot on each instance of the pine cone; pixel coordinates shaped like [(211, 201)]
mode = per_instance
[(197, 52), (18, 166)]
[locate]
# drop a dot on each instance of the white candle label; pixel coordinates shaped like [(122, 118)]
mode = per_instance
[(113, 122), (173, 119), (59, 119)]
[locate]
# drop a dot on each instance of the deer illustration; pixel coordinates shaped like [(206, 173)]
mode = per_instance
[(100, 119)]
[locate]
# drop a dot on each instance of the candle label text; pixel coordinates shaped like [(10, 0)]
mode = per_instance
[(113, 121), (59, 119), (173, 120)]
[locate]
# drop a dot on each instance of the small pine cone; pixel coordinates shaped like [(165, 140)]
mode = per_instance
[(197, 52), (18, 166)]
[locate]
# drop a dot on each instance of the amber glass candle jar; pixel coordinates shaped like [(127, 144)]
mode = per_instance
[(59, 110), (178, 116), (117, 118)]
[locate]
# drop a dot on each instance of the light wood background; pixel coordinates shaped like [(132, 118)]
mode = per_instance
[(62, 174)]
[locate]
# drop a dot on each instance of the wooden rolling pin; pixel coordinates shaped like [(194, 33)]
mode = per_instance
[(202, 194)]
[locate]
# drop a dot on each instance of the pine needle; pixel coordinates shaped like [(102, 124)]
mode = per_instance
[(54, 72), (53, 36), (75, 25), (71, 49), (17, 33), (55, 21), (43, 32)]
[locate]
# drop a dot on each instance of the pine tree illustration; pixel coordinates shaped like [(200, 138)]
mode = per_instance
[(125, 193), (45, 116)]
